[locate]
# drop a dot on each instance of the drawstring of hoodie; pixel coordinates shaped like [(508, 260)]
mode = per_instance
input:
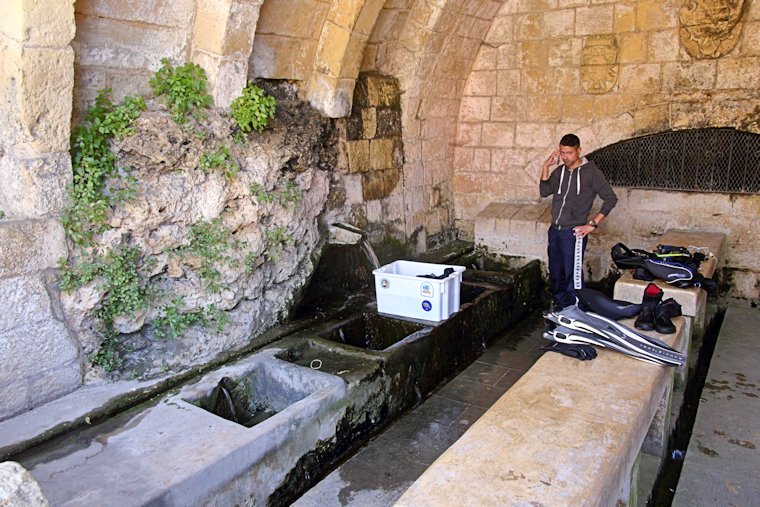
[(577, 181)]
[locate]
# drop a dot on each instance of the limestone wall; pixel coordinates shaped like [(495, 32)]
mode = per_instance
[(609, 71), (39, 360)]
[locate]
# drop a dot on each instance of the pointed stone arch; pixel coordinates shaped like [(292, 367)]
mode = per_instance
[(339, 53)]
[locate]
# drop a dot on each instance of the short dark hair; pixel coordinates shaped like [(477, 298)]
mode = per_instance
[(570, 140)]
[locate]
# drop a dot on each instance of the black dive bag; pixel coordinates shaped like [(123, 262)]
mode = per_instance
[(649, 266)]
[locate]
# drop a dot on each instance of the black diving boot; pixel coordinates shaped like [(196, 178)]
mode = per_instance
[(662, 315), (652, 297)]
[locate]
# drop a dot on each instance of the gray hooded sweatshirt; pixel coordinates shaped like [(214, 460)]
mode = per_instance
[(574, 193)]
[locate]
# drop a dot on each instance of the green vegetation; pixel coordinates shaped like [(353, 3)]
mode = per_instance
[(210, 241), (2, 214), (93, 163), (173, 321), (289, 197), (221, 161), (124, 293), (253, 109), (277, 238), (183, 88)]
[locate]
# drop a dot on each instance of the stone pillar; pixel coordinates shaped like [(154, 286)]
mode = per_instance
[(39, 361), (222, 43)]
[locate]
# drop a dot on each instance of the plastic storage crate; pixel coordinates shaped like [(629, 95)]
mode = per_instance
[(401, 291)]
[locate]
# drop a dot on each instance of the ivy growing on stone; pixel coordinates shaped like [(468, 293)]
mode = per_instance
[(93, 163)]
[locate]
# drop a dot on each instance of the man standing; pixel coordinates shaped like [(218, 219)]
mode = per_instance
[(573, 186)]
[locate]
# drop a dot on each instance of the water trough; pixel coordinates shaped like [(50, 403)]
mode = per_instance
[(263, 429)]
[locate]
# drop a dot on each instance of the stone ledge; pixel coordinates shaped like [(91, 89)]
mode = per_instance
[(565, 433), (514, 228)]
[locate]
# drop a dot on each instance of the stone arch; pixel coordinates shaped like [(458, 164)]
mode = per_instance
[(430, 49), (339, 53)]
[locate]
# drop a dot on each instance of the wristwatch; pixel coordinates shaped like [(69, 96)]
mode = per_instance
[(593, 224)]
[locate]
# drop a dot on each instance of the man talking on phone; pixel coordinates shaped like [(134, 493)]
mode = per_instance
[(573, 185)]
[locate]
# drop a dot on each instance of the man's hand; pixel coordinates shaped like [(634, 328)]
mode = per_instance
[(552, 160), (582, 230)]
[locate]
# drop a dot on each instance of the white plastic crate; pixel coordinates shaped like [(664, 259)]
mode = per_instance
[(401, 291)]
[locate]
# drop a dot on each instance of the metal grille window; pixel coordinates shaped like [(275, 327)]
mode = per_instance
[(703, 160)]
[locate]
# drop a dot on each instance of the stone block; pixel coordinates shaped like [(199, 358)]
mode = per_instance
[(463, 159), (611, 105), (560, 22), (468, 134), (210, 29), (330, 95), (34, 23), (226, 76), (30, 246), (475, 109), (508, 82), (331, 49), (664, 46), (358, 156), (632, 47), (158, 12), (501, 31), (542, 108), (109, 43), (388, 122), (486, 58), (481, 161), (504, 108), (692, 75), (44, 96), (530, 135), (304, 18), (577, 108), (382, 91), (55, 382), (381, 154), (498, 134), (31, 184), (379, 184), (28, 300), (738, 73), (594, 19), (369, 122), (653, 15), (467, 183), (652, 119), (534, 53), (15, 399), (481, 83), (278, 57), (33, 348), (624, 18), (18, 487)]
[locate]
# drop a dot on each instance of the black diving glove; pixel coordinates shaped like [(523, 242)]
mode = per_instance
[(578, 351)]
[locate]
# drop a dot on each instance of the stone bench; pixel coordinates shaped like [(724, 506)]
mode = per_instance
[(517, 229), (567, 433), (693, 300)]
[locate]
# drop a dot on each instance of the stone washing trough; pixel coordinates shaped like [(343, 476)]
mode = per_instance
[(264, 429)]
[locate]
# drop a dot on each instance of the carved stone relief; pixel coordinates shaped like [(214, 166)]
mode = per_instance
[(710, 28), (599, 63)]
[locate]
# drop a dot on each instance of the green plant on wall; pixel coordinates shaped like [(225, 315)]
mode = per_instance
[(173, 321), (288, 197), (93, 163), (219, 160), (183, 88), (278, 237), (124, 293), (253, 109), (210, 242)]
